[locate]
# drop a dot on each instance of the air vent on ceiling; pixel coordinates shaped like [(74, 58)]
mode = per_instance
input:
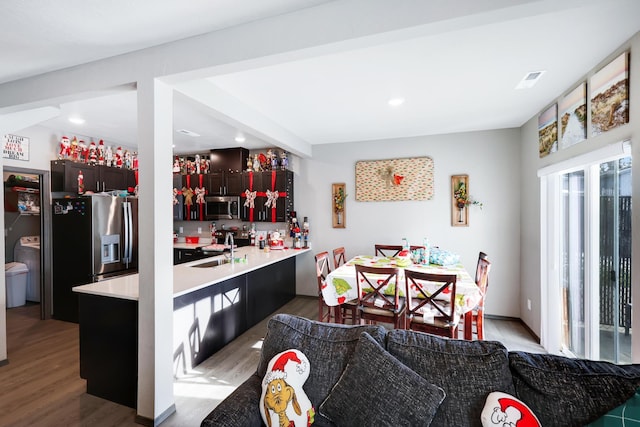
[(187, 132), (530, 80)]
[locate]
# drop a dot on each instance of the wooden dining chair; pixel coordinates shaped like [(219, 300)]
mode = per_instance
[(387, 250), (390, 251), (322, 270), (348, 311), (339, 257), (474, 319), (379, 297), (432, 312)]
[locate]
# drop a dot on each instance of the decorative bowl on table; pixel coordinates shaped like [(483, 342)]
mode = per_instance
[(403, 259)]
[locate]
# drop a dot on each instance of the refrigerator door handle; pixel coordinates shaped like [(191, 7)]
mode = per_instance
[(128, 233)]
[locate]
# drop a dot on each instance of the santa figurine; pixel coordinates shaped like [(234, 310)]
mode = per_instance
[(93, 155), (134, 161), (196, 164), (101, 153), (84, 151), (118, 159), (65, 148), (176, 165)]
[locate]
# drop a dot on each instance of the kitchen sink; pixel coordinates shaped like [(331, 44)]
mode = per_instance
[(213, 263)]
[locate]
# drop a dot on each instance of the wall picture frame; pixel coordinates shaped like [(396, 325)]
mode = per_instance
[(548, 131), (610, 95)]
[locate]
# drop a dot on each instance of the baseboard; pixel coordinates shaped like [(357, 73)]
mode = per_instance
[(4, 362), (158, 420), (515, 319)]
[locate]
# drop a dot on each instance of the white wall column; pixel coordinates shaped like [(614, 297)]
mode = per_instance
[(155, 305)]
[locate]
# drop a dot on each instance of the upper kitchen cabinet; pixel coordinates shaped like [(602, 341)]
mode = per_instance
[(275, 184), (225, 171), (96, 178), (224, 183), (228, 160)]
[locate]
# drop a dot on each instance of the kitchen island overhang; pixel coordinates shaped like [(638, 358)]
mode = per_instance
[(212, 306)]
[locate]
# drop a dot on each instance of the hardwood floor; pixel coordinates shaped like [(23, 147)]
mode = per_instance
[(41, 384)]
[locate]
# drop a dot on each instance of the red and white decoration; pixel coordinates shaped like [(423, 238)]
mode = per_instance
[(283, 401), (272, 196), (503, 410)]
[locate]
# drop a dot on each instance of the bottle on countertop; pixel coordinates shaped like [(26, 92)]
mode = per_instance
[(405, 244)]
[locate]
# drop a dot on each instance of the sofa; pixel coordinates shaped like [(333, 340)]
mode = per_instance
[(362, 373)]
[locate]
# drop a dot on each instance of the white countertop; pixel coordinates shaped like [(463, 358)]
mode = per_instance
[(187, 278)]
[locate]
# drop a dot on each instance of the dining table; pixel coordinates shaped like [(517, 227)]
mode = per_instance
[(341, 285)]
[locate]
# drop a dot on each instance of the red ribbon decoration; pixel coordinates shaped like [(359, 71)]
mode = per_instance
[(201, 204), (263, 194), (280, 194)]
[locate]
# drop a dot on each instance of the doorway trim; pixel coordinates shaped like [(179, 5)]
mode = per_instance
[(45, 236)]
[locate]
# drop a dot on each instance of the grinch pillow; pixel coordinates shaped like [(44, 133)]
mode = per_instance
[(283, 402), (502, 409)]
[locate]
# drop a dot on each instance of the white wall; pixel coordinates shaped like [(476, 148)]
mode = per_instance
[(530, 190), (491, 159)]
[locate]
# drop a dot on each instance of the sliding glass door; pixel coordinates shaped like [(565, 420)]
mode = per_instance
[(595, 261), (615, 261)]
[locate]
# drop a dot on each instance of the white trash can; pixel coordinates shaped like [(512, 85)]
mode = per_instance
[(15, 274)]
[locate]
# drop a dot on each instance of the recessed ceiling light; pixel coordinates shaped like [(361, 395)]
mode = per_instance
[(240, 139), (395, 102), (530, 79), (76, 120), (187, 132)]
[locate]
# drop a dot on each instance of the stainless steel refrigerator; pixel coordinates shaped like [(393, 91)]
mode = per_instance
[(94, 238)]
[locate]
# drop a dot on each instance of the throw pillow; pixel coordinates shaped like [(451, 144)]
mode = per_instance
[(467, 371), (376, 389), (327, 346), (502, 409), (625, 415), (283, 401), (567, 392)]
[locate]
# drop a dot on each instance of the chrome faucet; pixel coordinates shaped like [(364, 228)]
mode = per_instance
[(228, 237)]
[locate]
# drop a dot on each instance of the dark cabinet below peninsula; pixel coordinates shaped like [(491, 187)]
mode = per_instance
[(204, 320)]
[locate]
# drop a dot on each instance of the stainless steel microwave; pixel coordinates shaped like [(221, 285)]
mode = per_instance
[(222, 207)]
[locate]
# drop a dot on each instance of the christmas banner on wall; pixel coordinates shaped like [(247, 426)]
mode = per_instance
[(16, 147)]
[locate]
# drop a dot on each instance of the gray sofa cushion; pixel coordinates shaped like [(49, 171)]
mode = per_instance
[(467, 371), (240, 408), (376, 389), (327, 346), (571, 392)]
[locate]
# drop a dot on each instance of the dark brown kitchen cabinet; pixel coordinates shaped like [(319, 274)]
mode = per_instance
[(280, 181), (96, 178), (224, 183)]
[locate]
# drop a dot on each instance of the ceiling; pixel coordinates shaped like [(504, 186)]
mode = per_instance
[(455, 75)]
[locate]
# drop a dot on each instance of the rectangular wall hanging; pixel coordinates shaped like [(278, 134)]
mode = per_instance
[(339, 209), (394, 179), (459, 210), (573, 117), (610, 96), (548, 131)]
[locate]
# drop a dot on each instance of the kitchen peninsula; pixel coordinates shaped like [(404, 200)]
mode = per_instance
[(214, 301)]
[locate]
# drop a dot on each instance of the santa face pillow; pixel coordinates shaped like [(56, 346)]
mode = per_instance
[(283, 402), (504, 410)]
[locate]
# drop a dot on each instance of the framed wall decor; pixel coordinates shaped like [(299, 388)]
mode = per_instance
[(461, 200), (610, 96), (573, 117), (548, 131), (394, 179), (339, 211)]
